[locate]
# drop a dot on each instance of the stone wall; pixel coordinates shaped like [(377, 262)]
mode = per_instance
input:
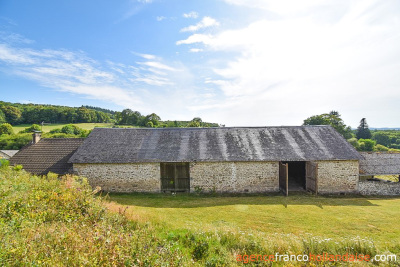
[(234, 176), (144, 177), (338, 176), (378, 188)]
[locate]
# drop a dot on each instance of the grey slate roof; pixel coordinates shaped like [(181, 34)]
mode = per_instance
[(379, 163), (7, 153), (47, 155), (297, 143)]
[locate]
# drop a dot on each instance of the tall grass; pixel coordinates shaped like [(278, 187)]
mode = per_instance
[(48, 221)]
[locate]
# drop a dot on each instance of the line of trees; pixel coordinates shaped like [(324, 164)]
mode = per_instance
[(135, 118), (15, 114)]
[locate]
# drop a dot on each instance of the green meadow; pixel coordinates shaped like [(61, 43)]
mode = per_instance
[(48, 127)]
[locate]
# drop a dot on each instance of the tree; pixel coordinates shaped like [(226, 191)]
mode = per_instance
[(2, 117), (381, 138), (6, 128), (13, 114), (363, 131), (332, 118), (366, 144), (84, 115), (154, 118)]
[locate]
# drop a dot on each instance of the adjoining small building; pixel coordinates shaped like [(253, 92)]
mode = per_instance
[(7, 154), (379, 163), (231, 159), (47, 155)]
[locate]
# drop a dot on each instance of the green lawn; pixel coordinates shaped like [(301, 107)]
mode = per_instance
[(49, 127), (298, 216)]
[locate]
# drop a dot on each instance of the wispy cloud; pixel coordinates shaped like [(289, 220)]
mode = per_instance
[(161, 18), (145, 1), (14, 38), (195, 50), (76, 73), (206, 22), (192, 15), (197, 38)]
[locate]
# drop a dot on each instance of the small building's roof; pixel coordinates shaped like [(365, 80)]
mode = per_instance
[(7, 153), (297, 143), (380, 163), (47, 155)]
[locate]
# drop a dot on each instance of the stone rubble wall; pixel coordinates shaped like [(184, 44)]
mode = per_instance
[(234, 176), (338, 176), (378, 188), (123, 178)]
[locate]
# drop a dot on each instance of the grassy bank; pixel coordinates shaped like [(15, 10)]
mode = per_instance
[(46, 221)]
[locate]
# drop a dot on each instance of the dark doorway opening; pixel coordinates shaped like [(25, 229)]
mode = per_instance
[(175, 177), (296, 175)]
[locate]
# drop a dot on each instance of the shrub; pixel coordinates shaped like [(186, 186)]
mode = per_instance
[(366, 144), (18, 168), (55, 131), (379, 147), (6, 128), (34, 127), (4, 163), (354, 143), (16, 141)]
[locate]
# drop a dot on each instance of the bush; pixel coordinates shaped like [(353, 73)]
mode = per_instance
[(366, 144), (354, 143), (379, 147), (34, 127), (15, 141), (4, 163), (55, 131), (73, 129), (6, 128), (18, 168)]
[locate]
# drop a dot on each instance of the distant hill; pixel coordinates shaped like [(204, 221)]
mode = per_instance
[(385, 129)]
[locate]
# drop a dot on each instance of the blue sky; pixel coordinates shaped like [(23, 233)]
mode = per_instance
[(235, 62)]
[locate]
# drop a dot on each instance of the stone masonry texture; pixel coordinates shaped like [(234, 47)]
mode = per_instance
[(234, 176), (338, 176), (124, 178)]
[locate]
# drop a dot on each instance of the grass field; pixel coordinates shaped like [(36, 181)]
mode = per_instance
[(297, 216), (49, 127)]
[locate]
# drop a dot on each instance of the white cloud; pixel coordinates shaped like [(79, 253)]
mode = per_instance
[(145, 1), (192, 15), (299, 64), (206, 22), (146, 56), (160, 18), (195, 50), (157, 65), (197, 38)]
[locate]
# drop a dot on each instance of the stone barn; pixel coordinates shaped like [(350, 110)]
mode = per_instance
[(228, 159)]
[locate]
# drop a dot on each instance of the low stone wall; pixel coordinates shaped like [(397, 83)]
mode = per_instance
[(234, 176), (124, 178), (338, 176), (378, 188)]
